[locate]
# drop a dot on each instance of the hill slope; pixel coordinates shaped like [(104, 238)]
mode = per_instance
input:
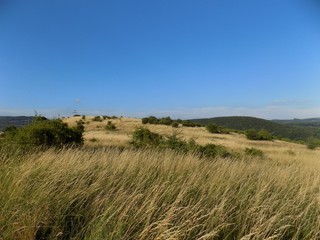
[(6, 121), (277, 129), (309, 122)]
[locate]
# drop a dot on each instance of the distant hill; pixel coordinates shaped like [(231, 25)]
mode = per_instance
[(7, 121), (312, 122), (282, 130)]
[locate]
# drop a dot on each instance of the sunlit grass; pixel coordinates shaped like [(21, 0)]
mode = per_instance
[(150, 194)]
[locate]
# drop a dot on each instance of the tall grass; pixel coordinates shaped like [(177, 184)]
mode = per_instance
[(150, 194)]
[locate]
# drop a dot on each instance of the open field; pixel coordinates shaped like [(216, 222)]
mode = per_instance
[(124, 193), (145, 194), (276, 150)]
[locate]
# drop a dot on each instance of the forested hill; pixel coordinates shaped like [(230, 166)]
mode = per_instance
[(281, 130), (312, 122), (7, 121)]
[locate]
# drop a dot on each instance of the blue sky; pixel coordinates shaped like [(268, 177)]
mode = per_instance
[(180, 58)]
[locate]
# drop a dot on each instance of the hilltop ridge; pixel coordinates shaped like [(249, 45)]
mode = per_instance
[(18, 121), (281, 129)]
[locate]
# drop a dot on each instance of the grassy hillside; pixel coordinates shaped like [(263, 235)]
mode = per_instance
[(109, 190), (96, 135), (147, 194), (277, 129), (6, 121)]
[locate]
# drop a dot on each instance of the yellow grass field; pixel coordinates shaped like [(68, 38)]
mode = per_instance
[(128, 194), (276, 150)]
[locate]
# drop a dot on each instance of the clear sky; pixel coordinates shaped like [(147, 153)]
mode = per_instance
[(180, 58)]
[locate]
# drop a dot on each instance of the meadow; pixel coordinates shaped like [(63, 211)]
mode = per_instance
[(109, 190)]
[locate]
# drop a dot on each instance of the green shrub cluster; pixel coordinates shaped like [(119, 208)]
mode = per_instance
[(253, 152), (43, 133), (110, 126), (187, 123), (97, 119), (143, 137), (168, 121), (175, 124), (109, 117), (213, 128), (312, 143), (253, 134)]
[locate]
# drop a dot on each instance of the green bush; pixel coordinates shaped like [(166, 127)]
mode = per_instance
[(143, 137), (212, 128), (253, 134), (153, 120), (175, 124), (145, 120), (253, 152), (97, 119), (166, 121), (312, 143), (93, 140), (188, 123), (175, 143), (44, 133), (265, 135), (212, 150), (80, 125), (110, 126)]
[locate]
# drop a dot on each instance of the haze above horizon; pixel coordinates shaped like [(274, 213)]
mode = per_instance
[(186, 59)]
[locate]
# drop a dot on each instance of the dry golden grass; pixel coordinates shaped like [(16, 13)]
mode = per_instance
[(124, 193), (150, 194), (276, 150)]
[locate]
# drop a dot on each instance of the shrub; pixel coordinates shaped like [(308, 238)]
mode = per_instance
[(44, 133), (110, 126), (83, 117), (97, 119), (253, 134), (188, 124), (153, 120), (225, 130), (10, 129), (145, 120), (80, 125), (143, 137), (93, 140), (265, 135), (253, 152), (166, 121), (212, 150), (212, 128), (104, 117), (175, 124), (312, 143), (175, 143)]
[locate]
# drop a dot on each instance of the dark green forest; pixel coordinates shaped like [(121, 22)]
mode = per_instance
[(284, 129)]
